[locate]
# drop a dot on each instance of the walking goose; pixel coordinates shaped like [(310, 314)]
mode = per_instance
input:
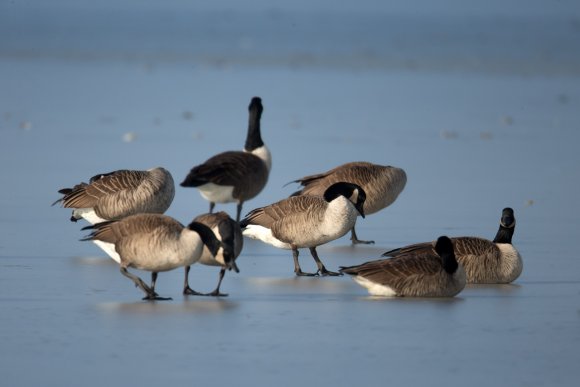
[(235, 176), (307, 221), (382, 184), (425, 275), (115, 195), (229, 233), (485, 261), (155, 243)]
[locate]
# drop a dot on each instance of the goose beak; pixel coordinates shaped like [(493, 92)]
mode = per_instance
[(232, 266)]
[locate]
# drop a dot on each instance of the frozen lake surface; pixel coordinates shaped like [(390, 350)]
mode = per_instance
[(480, 113)]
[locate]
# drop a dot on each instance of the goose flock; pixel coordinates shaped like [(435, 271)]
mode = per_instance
[(125, 211)]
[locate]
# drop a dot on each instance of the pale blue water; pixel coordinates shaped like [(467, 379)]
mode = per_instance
[(480, 105)]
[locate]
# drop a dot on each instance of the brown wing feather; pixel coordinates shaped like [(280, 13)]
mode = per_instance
[(246, 172), (113, 232), (293, 206), (389, 271), (88, 195)]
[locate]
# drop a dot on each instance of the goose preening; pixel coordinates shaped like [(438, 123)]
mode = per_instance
[(115, 195), (436, 274), (382, 184), (307, 221), (485, 261), (235, 176), (229, 233), (155, 243)]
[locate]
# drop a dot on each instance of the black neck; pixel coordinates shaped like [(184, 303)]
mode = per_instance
[(504, 235), (207, 236), (449, 262), (254, 138)]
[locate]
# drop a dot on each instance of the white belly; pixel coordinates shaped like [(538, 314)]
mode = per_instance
[(265, 235), (217, 193)]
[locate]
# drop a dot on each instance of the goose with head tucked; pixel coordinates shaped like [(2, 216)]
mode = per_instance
[(382, 184), (436, 274), (117, 194), (235, 176), (485, 261), (155, 243), (307, 221), (229, 233)]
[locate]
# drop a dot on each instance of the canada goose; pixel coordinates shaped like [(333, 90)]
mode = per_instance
[(307, 221), (426, 275), (155, 243), (382, 184), (230, 234), (485, 261), (115, 195), (235, 176)]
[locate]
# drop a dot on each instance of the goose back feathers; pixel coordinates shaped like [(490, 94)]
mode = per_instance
[(115, 195), (436, 274), (382, 184)]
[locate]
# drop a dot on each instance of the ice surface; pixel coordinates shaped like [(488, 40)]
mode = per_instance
[(480, 106)]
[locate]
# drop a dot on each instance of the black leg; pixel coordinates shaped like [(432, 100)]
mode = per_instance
[(216, 292), (239, 212), (149, 292), (186, 289), (156, 296), (321, 269), (297, 270), (211, 206), (355, 241)]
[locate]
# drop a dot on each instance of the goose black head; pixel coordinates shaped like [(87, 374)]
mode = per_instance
[(351, 191), (508, 219), (227, 233), (444, 248), (507, 226)]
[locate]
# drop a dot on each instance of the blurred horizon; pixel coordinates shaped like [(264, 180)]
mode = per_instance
[(495, 37)]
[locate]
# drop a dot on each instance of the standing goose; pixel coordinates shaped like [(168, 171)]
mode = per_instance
[(307, 221), (485, 261), (155, 243), (230, 234), (235, 176), (115, 195), (425, 275), (382, 184)]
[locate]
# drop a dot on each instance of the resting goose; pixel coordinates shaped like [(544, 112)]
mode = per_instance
[(307, 221), (155, 243), (382, 184), (410, 275), (485, 261), (115, 195), (229, 233), (235, 176)]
